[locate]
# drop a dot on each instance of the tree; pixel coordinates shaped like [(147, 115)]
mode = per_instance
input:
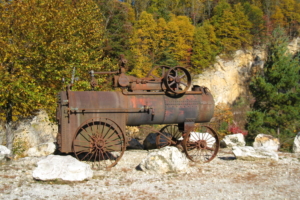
[(161, 43), (276, 91), (278, 17), (40, 43), (255, 16), (158, 8), (204, 48), (180, 38), (232, 27), (118, 25), (290, 11), (144, 44)]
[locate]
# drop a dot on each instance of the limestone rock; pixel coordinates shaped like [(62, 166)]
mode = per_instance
[(41, 150), (167, 159), (266, 141), (4, 151), (296, 144), (250, 153), (227, 79), (132, 131), (34, 132), (134, 144), (62, 167), (2, 135), (233, 140), (150, 141)]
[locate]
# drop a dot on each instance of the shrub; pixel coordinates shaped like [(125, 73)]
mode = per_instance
[(234, 129)]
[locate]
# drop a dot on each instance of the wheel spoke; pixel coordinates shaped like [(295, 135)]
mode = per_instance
[(172, 83), (182, 83), (183, 75)]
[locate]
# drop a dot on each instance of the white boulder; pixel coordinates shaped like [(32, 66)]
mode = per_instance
[(250, 153), (296, 144), (4, 151), (233, 140), (41, 150), (167, 159), (62, 167), (266, 141)]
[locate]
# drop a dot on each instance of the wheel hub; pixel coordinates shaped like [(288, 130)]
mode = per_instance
[(201, 144), (97, 143)]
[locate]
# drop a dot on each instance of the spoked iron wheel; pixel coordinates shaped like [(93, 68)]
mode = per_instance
[(168, 136), (201, 146), (100, 141), (178, 80)]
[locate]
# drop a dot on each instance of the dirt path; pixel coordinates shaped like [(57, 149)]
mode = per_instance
[(223, 178)]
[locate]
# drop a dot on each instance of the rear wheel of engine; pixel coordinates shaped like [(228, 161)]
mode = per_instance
[(100, 141)]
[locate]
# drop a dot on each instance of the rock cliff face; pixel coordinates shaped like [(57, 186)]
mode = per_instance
[(229, 79)]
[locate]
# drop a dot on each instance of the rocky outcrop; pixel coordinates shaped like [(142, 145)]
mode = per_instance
[(294, 46), (251, 154), (2, 135), (167, 159), (228, 79), (4, 151), (233, 140), (266, 141), (34, 133), (41, 150), (296, 144), (62, 167)]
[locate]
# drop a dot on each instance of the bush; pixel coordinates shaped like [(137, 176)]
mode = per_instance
[(233, 129)]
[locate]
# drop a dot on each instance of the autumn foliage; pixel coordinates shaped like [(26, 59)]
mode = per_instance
[(41, 41)]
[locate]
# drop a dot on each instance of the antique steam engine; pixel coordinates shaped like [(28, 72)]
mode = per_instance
[(92, 123)]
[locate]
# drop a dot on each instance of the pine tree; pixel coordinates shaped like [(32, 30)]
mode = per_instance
[(276, 91)]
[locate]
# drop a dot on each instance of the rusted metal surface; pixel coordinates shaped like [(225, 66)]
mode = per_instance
[(92, 123)]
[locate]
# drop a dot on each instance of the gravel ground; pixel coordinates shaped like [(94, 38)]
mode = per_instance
[(222, 178)]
